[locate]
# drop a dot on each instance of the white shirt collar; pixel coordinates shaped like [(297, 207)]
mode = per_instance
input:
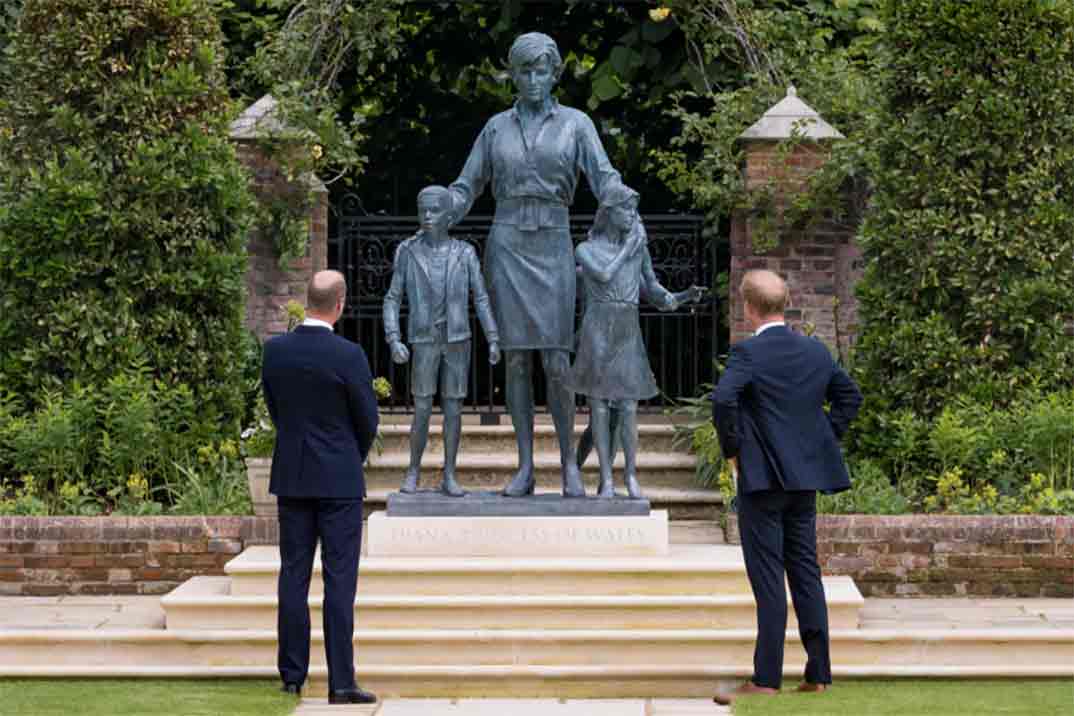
[(317, 323), (768, 325)]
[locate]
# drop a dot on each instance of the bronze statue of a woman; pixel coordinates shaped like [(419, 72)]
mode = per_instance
[(532, 155)]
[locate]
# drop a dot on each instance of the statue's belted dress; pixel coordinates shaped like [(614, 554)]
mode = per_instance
[(529, 258)]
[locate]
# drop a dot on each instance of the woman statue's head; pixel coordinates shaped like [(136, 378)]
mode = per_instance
[(535, 66)]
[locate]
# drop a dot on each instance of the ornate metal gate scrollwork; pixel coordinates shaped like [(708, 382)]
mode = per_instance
[(681, 344)]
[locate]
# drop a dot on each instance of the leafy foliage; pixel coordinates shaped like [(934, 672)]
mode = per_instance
[(409, 85), (123, 215), (123, 446), (748, 52), (969, 285)]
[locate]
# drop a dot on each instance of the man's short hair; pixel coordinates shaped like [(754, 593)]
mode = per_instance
[(325, 289), (531, 47), (765, 291)]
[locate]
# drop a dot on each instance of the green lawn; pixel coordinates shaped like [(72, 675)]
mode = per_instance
[(919, 698), (132, 697)]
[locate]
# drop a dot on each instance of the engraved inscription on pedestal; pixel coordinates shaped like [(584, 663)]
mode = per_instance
[(583, 536)]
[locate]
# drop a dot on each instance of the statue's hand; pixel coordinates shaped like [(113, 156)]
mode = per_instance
[(697, 293), (494, 353), (400, 354)]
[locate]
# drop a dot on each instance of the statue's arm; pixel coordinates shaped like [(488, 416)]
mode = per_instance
[(475, 174), (482, 305), (654, 291), (394, 298), (593, 160)]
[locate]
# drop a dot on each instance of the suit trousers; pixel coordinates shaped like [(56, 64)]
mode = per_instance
[(779, 535), (338, 526)]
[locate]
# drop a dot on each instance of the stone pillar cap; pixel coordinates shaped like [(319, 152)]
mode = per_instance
[(261, 121), (791, 117)]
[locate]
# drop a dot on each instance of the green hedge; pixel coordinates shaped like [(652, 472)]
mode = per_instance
[(123, 216), (969, 283)]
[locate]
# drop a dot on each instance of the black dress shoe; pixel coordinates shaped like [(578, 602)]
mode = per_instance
[(351, 696), (293, 689)]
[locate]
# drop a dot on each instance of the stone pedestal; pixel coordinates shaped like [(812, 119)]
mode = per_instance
[(529, 537), (432, 503)]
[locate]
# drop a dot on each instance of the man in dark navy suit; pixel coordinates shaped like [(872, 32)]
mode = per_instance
[(769, 413), (319, 392)]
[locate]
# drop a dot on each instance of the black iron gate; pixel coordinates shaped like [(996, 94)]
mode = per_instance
[(681, 344)]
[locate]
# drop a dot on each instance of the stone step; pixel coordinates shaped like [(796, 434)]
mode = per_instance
[(494, 469), (652, 437), (207, 603), (687, 570), (584, 663)]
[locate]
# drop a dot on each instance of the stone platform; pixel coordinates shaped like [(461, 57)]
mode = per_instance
[(431, 503)]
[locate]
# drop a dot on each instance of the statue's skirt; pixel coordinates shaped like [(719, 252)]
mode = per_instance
[(612, 363), (531, 282)]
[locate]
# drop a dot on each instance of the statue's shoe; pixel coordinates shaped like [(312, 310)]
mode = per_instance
[(572, 481), (607, 489), (450, 487), (522, 485), (410, 482)]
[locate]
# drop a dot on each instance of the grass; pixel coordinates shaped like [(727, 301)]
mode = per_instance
[(92, 697), (920, 698)]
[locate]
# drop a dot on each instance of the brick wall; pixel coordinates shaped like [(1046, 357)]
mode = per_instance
[(941, 555), (906, 555), (268, 286), (47, 556), (820, 264)]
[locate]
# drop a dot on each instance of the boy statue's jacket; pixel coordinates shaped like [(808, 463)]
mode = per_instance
[(409, 273)]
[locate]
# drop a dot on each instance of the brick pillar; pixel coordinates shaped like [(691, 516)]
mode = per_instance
[(820, 263), (268, 286)]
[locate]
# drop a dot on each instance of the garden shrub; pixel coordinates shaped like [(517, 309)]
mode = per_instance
[(968, 291), (123, 216)]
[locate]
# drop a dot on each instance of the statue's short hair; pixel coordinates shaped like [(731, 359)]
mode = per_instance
[(435, 190), (325, 289), (531, 47)]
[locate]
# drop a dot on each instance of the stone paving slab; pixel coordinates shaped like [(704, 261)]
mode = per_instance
[(518, 707), (686, 707), (76, 612), (145, 612), (966, 613)]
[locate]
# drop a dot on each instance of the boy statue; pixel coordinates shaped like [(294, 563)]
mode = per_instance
[(437, 274)]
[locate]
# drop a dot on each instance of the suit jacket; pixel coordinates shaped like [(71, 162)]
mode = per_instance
[(769, 412), (319, 392), (410, 274)]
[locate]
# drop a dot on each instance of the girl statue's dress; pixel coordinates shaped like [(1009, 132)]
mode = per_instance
[(611, 361)]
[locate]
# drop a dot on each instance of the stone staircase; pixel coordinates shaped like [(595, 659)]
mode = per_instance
[(673, 625)]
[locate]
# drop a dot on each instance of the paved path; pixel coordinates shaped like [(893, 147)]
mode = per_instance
[(518, 707), (108, 612)]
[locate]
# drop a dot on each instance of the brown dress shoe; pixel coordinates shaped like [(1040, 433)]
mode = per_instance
[(747, 689), (807, 687)]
